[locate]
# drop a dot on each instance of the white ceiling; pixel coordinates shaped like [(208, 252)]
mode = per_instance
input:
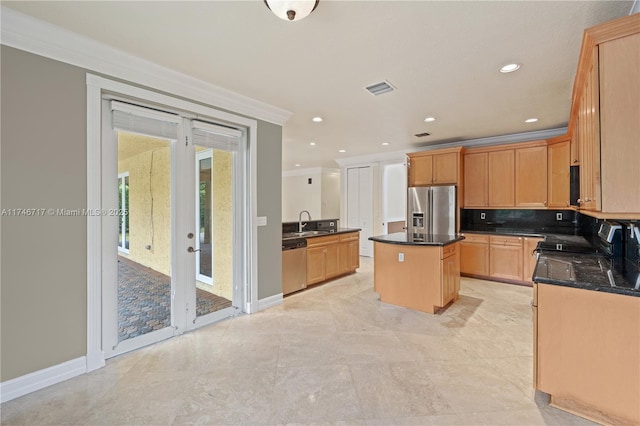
[(443, 58)]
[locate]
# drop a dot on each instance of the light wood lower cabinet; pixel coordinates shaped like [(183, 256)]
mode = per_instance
[(529, 258), (424, 278), (474, 255), (505, 257), (331, 256), (586, 352)]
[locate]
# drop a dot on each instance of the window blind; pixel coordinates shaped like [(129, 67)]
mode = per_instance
[(215, 136), (144, 121)]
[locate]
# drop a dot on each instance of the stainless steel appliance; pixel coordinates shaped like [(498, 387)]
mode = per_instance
[(294, 265), (431, 210)]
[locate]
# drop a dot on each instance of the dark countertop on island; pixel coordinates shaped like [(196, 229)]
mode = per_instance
[(418, 239)]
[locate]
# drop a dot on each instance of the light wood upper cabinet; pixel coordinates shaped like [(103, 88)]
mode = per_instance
[(441, 167), (501, 178), (558, 163), (476, 179), (604, 120), (619, 62), (531, 176)]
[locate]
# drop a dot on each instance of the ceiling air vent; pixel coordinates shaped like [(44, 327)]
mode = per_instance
[(380, 88), (421, 135)]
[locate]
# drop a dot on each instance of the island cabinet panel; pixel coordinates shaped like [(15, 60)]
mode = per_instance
[(529, 257), (476, 179), (419, 277), (587, 351), (558, 163), (474, 255), (531, 176), (505, 257), (501, 178), (619, 63)]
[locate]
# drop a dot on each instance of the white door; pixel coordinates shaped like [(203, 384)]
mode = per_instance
[(152, 238), (360, 205)]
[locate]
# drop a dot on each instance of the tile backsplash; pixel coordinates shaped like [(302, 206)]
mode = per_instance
[(526, 221)]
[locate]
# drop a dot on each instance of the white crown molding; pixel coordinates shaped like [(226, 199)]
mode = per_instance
[(399, 156), (32, 35)]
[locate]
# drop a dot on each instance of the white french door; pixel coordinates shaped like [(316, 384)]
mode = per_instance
[(182, 216)]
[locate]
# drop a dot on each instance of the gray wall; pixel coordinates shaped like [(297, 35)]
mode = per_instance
[(43, 165), (44, 260), (270, 205)]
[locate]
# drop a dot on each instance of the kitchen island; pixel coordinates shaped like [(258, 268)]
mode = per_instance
[(417, 271)]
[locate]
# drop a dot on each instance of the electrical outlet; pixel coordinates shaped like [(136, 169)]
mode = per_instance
[(483, 215), (400, 257), (559, 216)]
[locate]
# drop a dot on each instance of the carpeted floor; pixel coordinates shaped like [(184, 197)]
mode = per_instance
[(144, 302)]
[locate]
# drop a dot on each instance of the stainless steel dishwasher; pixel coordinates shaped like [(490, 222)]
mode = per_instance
[(294, 265)]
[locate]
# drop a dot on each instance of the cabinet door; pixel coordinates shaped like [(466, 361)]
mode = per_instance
[(354, 255), (332, 260), (620, 124), (501, 178), (505, 261), (315, 265), (421, 170), (445, 168), (531, 176), (558, 156), (476, 179), (529, 257), (474, 258)]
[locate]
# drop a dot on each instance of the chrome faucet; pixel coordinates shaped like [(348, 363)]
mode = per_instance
[(300, 225)]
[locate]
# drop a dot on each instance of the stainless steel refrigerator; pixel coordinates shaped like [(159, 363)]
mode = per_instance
[(431, 210)]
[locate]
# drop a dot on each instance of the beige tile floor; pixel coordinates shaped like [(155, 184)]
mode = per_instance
[(333, 354)]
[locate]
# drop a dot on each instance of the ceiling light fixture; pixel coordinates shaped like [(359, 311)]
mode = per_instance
[(510, 68), (317, 119), (297, 165), (429, 119), (292, 10), (342, 150), (530, 120), (312, 143), (385, 143)]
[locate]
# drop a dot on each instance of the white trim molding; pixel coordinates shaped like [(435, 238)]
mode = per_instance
[(42, 38), (37, 380), (270, 302)]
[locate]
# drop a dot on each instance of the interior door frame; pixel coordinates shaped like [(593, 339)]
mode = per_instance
[(96, 88)]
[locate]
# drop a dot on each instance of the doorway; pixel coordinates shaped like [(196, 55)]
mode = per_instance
[(360, 205), (171, 256)]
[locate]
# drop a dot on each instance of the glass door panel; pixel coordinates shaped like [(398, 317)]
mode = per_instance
[(144, 235), (214, 224)]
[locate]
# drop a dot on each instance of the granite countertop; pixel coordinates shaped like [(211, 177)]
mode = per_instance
[(548, 237), (588, 272), (322, 233), (418, 239)]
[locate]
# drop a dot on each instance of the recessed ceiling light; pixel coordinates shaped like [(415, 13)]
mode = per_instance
[(342, 150), (510, 68), (429, 119), (312, 143), (385, 143), (297, 165), (317, 119), (530, 120)]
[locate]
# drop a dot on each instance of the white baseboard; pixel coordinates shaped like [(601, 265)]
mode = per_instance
[(269, 302), (37, 380)]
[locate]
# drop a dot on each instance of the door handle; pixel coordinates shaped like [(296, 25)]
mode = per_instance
[(192, 250)]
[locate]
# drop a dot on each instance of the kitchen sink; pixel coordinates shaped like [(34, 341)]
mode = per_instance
[(303, 234)]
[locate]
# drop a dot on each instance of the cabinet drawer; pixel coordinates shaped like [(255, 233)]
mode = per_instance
[(449, 250), (505, 241), (476, 238), (318, 241), (350, 236)]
